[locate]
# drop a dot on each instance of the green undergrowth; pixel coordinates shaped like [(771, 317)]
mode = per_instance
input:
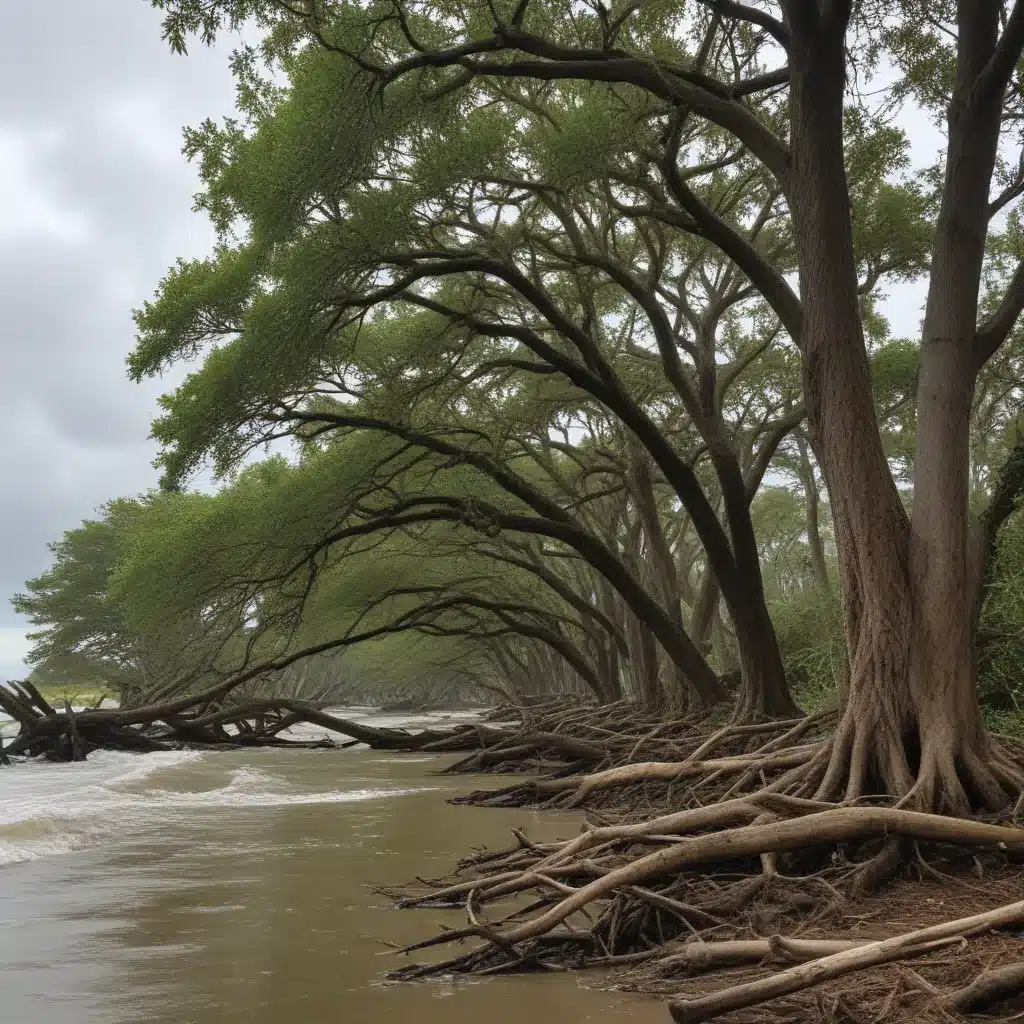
[(1001, 635), (809, 629), (79, 697)]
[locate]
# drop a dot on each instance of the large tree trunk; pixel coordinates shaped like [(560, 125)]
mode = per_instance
[(944, 575), (870, 523), (911, 726), (763, 691)]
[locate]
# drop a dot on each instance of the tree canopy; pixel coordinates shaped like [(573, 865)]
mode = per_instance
[(573, 355)]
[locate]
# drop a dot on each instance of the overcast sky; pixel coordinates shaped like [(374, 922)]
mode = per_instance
[(95, 204)]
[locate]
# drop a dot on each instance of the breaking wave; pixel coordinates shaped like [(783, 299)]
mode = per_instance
[(47, 809)]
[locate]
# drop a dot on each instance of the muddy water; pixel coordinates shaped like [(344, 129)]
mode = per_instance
[(201, 888)]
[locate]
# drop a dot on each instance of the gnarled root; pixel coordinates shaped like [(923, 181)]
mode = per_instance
[(679, 853), (926, 758), (781, 827)]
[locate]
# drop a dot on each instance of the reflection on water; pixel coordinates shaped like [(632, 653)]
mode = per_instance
[(224, 887)]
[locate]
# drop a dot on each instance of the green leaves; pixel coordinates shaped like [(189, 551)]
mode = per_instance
[(588, 130), (453, 237), (87, 631), (200, 302)]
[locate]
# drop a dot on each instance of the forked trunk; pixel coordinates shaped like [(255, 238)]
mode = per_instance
[(911, 726)]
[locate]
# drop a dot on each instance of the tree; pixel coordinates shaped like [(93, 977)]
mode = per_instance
[(912, 720), (910, 582), (266, 555), (588, 271), (86, 634)]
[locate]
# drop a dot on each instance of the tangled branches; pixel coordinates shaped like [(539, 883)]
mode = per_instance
[(717, 859)]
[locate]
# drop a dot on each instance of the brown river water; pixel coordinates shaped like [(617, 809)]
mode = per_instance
[(194, 888)]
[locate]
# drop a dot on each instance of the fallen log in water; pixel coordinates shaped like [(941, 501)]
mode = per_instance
[(72, 735)]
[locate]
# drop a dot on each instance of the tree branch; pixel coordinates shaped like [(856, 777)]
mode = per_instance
[(755, 473), (765, 278), (705, 96), (751, 15), (996, 329), (1000, 67)]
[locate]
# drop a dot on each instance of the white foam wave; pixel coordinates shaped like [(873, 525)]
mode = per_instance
[(54, 809)]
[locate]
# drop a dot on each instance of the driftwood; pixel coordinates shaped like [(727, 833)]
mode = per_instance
[(71, 736), (696, 956), (77, 747), (840, 824), (738, 997)]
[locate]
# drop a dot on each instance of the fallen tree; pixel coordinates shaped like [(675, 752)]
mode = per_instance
[(858, 958), (201, 721)]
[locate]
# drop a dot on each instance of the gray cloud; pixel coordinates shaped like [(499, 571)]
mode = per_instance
[(95, 204)]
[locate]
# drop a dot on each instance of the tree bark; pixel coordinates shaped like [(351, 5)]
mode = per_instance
[(945, 570), (763, 691), (605, 600), (656, 557), (819, 567), (704, 607), (644, 663), (911, 726), (870, 523)]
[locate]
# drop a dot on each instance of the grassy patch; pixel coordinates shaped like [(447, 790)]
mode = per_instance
[(78, 696)]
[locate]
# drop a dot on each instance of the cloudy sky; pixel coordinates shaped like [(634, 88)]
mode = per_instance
[(95, 204)]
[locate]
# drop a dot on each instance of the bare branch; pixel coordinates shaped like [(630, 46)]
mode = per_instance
[(996, 329)]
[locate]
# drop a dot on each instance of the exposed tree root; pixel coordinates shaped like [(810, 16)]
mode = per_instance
[(750, 858), (988, 988), (724, 847), (937, 763), (841, 824), (746, 754)]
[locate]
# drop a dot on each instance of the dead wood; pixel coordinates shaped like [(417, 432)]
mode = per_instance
[(70, 735), (841, 824), (989, 988), (77, 746), (704, 956), (693, 1011)]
